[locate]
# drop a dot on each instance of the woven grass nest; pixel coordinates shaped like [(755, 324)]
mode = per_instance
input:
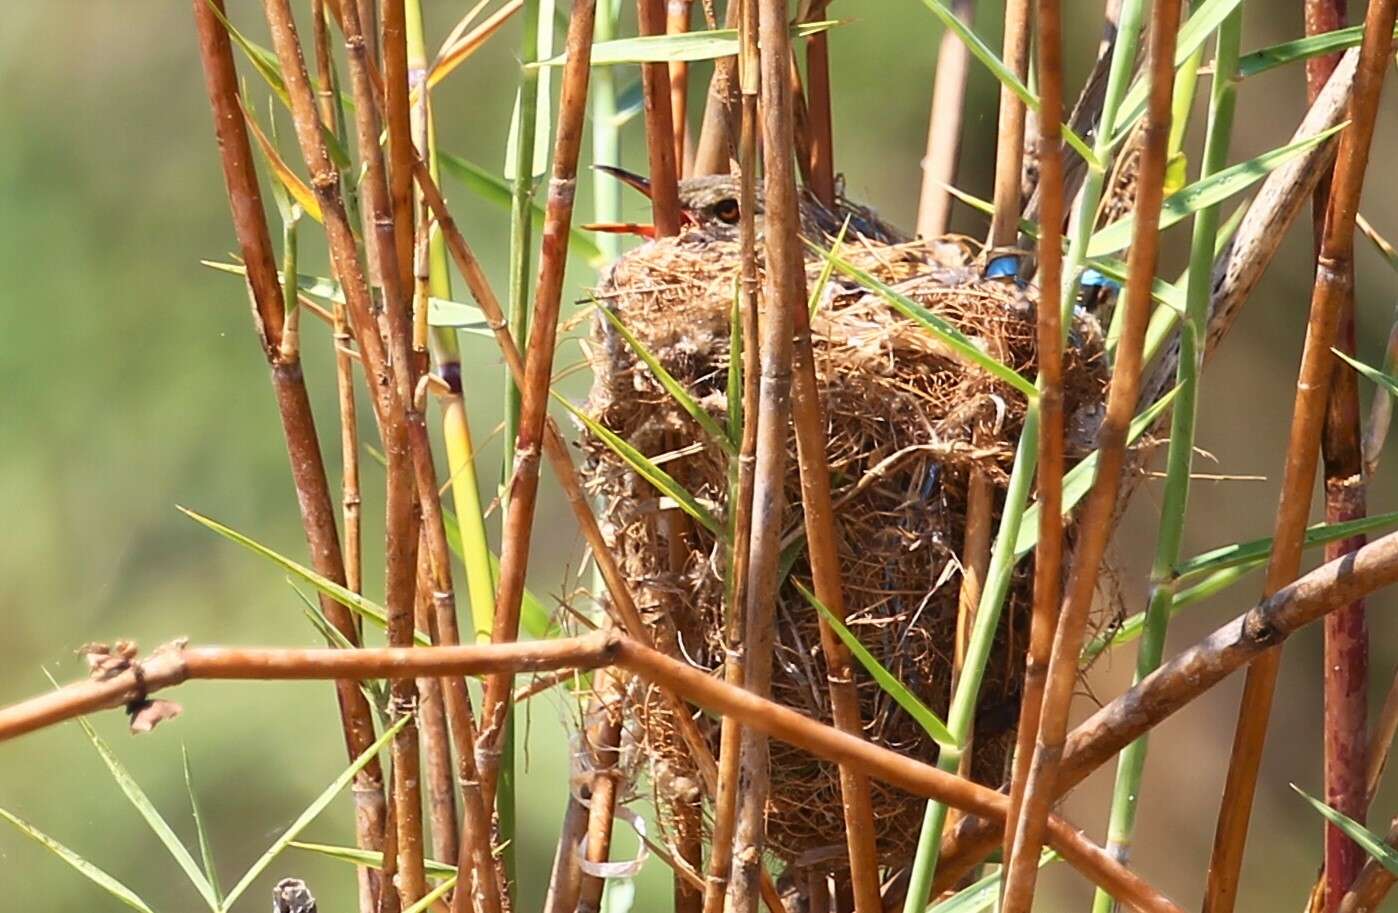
[(906, 423)]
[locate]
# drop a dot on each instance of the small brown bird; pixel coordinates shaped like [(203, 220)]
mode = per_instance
[(710, 205)]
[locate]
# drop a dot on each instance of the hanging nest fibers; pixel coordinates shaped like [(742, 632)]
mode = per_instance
[(906, 423)]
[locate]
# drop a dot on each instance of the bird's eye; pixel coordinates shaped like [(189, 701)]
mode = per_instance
[(727, 210)]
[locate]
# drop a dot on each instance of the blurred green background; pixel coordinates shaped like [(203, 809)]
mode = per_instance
[(132, 384)]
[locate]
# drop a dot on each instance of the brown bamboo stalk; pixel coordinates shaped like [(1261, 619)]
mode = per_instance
[(293, 402), (1096, 525), (720, 130), (1009, 144), (1190, 673), (785, 271), (944, 129), (371, 97), (822, 151), (441, 778), (822, 540), (388, 872), (1345, 665), (565, 877), (1334, 284), (392, 391), (394, 42), (604, 743), (524, 484), (731, 731), (1381, 742), (1373, 882), (660, 126), (1048, 555), (677, 23)]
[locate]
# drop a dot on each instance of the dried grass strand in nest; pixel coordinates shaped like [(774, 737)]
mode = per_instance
[(906, 422)]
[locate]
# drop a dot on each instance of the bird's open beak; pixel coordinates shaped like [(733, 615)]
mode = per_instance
[(629, 178), (621, 228), (636, 182)]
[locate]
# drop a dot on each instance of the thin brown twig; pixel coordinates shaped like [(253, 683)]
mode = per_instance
[(293, 402), (565, 877), (1096, 524), (1048, 554), (660, 126), (731, 732), (1189, 674), (783, 298), (720, 130), (524, 483), (603, 748), (436, 742), (1009, 145), (677, 23), (822, 539), (173, 665), (1344, 670), (1373, 882), (1334, 284), (818, 106)]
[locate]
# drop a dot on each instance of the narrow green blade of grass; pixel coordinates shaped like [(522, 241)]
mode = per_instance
[(432, 896), (496, 190), (818, 291), (684, 46), (1277, 55), (375, 690), (1207, 192), (313, 810), (84, 868), (1170, 294), (206, 850), (158, 825), (630, 101), (288, 181), (1202, 23), (1385, 383), (646, 469), (1078, 480), (343, 595), (992, 62), (441, 312), (1259, 549), (368, 858), (673, 387), (981, 895), (889, 682), (954, 338), (1133, 627), (1368, 841)]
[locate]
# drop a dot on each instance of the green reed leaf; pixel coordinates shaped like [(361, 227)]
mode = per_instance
[(341, 594), (677, 391), (84, 868), (313, 810), (368, 858), (1368, 841), (683, 46), (929, 721), (1207, 192), (648, 470)]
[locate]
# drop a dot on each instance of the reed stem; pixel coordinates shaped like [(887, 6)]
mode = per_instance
[(1334, 285)]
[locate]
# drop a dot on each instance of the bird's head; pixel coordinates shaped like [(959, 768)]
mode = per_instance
[(708, 204)]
